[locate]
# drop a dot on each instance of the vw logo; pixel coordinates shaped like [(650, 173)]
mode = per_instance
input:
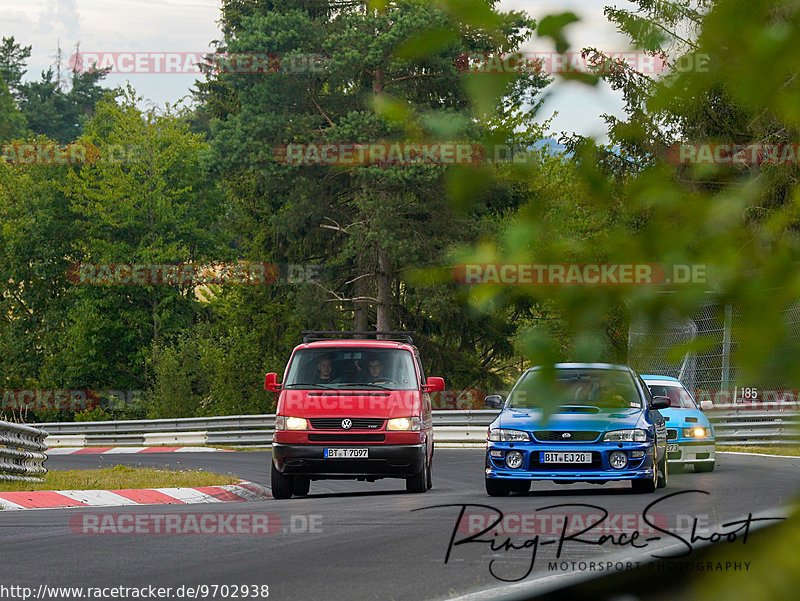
[(566, 435), (347, 424)]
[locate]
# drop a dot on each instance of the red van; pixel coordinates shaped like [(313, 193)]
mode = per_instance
[(352, 408)]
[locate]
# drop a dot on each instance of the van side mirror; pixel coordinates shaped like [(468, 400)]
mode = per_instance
[(660, 402), (493, 401), (271, 383), (434, 384), (706, 405)]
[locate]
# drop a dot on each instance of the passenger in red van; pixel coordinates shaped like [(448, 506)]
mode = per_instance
[(375, 368), (325, 370)]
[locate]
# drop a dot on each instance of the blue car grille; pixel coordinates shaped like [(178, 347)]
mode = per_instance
[(672, 434), (558, 436)]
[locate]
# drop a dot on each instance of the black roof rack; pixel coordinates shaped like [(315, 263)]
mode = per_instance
[(311, 335)]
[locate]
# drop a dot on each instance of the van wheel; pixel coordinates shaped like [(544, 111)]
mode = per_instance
[(302, 485), (429, 484), (419, 481), (497, 488), (282, 485)]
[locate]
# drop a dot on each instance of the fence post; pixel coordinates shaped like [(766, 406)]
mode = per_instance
[(726, 347)]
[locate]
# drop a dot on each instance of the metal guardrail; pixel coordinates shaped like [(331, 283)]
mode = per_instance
[(455, 428), (22, 452), (748, 428)]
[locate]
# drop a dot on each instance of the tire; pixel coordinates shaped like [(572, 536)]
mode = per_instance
[(302, 485), (282, 485), (706, 466), (429, 483), (418, 482), (497, 488), (646, 486), (663, 476), (521, 486)]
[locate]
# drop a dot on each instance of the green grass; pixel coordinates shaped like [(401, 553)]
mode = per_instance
[(766, 450), (120, 476)]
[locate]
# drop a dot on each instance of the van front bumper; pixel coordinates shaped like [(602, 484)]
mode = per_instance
[(397, 461)]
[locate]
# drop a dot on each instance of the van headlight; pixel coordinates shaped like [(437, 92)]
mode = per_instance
[(505, 435), (283, 422), (413, 424), (636, 435)]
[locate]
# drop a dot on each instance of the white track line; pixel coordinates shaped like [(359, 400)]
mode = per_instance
[(97, 498), (757, 454)]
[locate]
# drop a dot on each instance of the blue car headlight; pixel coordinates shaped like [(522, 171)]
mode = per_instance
[(636, 435), (506, 435)]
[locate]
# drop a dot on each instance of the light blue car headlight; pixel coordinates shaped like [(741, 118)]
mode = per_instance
[(697, 432), (636, 435), (506, 435)]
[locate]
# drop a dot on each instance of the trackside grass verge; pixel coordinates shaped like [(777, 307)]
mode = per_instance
[(792, 450), (121, 476)]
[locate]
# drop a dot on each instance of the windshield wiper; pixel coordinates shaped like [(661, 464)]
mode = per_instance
[(360, 384), (329, 387)]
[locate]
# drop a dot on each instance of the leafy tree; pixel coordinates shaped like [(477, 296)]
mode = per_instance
[(38, 229), (12, 63), (387, 75), (145, 200), (12, 121), (57, 114)]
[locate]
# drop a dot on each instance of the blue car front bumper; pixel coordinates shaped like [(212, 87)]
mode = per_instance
[(534, 468)]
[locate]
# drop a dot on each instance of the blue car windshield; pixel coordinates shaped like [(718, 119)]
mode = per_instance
[(593, 389)]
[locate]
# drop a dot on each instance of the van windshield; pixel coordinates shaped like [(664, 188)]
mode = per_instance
[(352, 367), (601, 389)]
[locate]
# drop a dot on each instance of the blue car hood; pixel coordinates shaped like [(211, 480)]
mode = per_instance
[(531, 419)]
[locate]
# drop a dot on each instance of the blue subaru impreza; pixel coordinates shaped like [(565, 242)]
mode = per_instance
[(690, 436), (577, 422)]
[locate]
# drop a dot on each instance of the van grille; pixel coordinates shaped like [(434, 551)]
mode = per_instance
[(346, 437), (335, 423)]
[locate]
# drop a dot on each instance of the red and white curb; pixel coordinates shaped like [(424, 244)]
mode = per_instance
[(48, 499), (126, 450)]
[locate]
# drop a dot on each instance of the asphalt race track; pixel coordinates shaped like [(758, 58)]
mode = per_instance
[(352, 541)]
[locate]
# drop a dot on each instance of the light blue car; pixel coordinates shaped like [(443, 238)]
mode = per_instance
[(690, 436)]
